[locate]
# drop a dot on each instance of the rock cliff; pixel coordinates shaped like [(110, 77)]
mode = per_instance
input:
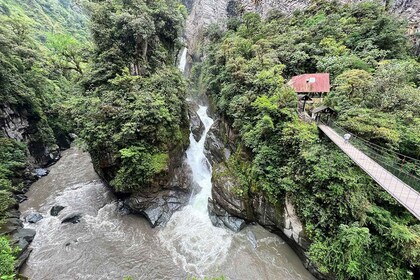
[(26, 126), (205, 12), (23, 126), (232, 208)]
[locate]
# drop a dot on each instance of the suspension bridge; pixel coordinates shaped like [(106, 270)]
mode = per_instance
[(394, 172)]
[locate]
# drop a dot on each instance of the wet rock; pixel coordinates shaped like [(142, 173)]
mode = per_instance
[(34, 218), (221, 218), (214, 147), (123, 208), (154, 213), (56, 209), (21, 198), (159, 207), (26, 234), (74, 219), (73, 136), (224, 191), (10, 225), (197, 126), (21, 259), (22, 238), (255, 207), (41, 172)]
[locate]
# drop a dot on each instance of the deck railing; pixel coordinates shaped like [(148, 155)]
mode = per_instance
[(406, 168)]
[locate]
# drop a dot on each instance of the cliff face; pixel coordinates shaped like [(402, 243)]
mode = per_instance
[(205, 12), (23, 126)]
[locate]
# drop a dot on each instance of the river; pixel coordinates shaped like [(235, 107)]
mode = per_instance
[(107, 244)]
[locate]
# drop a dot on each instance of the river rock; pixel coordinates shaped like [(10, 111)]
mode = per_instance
[(34, 218), (123, 209), (74, 219), (197, 126), (12, 222), (221, 218), (56, 209), (41, 172), (25, 234), (21, 198), (157, 208), (22, 238)]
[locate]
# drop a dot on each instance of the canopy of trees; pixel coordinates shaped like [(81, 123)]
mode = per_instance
[(40, 63), (132, 112)]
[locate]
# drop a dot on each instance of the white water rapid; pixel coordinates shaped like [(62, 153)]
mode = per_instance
[(190, 236)]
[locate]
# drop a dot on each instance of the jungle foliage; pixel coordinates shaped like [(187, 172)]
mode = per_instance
[(132, 110), (40, 57), (358, 231)]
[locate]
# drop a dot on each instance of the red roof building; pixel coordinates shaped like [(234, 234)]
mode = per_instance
[(311, 83)]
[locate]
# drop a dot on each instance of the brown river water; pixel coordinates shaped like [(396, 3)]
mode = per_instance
[(109, 245)]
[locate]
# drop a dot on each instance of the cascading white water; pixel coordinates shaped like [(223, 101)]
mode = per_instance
[(190, 236), (183, 60), (201, 168)]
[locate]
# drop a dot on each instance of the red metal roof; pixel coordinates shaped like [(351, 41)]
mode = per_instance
[(319, 82)]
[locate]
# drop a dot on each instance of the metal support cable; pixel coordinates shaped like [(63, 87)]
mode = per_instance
[(386, 150)]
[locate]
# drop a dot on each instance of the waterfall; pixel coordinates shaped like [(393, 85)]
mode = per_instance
[(183, 60), (190, 236), (201, 168)]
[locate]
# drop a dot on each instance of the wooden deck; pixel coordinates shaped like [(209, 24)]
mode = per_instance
[(402, 192)]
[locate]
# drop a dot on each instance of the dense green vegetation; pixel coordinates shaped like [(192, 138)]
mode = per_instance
[(132, 113), (7, 261), (12, 161), (41, 58), (127, 101), (358, 231)]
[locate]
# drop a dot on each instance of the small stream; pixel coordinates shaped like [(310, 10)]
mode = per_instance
[(109, 245)]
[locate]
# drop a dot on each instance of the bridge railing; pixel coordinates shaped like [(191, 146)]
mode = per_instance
[(405, 168)]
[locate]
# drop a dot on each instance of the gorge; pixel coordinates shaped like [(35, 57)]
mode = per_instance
[(108, 244), (148, 140)]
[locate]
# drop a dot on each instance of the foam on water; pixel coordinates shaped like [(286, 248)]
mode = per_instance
[(191, 238)]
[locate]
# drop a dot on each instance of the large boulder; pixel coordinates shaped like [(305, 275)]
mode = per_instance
[(73, 218), (157, 207), (221, 218), (158, 202), (55, 210), (33, 218), (197, 126), (22, 238)]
